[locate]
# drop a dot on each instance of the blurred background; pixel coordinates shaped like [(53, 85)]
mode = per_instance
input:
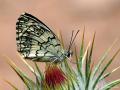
[(102, 16)]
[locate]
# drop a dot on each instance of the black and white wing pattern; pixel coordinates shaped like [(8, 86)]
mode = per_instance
[(36, 41)]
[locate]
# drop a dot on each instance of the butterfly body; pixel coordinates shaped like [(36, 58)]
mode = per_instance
[(37, 42)]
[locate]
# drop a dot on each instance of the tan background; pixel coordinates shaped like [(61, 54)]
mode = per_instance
[(102, 16)]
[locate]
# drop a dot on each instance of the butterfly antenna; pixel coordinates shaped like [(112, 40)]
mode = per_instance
[(72, 39)]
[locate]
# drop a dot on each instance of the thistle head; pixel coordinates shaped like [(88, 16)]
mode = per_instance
[(54, 76)]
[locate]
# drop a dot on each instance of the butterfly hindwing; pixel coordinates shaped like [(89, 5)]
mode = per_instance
[(35, 40)]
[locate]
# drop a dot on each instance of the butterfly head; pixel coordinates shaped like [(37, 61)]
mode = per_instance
[(69, 53)]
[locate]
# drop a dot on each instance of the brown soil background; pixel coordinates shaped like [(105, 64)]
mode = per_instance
[(102, 16)]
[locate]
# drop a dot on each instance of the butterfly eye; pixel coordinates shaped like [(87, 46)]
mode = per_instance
[(69, 53)]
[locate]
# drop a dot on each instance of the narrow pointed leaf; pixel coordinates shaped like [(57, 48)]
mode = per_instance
[(14, 87), (79, 65), (28, 82), (101, 60), (109, 73), (103, 70), (110, 85)]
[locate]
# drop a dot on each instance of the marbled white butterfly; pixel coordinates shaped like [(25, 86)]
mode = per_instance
[(37, 42)]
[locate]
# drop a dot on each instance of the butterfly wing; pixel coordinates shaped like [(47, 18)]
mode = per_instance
[(35, 40)]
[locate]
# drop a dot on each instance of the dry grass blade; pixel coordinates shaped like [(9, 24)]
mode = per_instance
[(14, 87)]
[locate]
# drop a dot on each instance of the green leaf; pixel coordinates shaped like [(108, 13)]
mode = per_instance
[(79, 65), (101, 60), (27, 81), (88, 69), (79, 60), (39, 78), (110, 85), (90, 54), (103, 70), (109, 73), (39, 72)]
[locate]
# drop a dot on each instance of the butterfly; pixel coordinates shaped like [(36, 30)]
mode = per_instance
[(37, 42)]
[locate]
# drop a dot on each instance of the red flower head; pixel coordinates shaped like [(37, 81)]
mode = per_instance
[(54, 76)]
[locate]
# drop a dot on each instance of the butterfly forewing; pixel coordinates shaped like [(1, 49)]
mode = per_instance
[(36, 41)]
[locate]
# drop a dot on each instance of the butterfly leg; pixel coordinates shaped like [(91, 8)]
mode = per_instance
[(70, 60), (53, 60)]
